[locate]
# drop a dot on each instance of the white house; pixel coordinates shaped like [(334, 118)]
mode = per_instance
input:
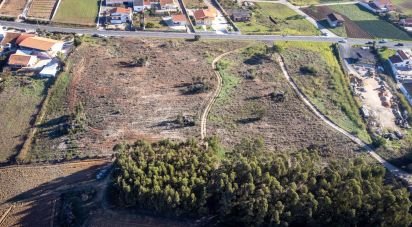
[(179, 20), (335, 20), (120, 15), (402, 59)]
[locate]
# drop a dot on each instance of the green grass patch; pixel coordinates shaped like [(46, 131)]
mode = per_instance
[(229, 81), (385, 54), (82, 12), (19, 104), (405, 6), (371, 23), (284, 21), (311, 2), (328, 89)]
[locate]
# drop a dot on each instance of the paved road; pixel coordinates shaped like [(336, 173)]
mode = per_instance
[(394, 170), (176, 35)]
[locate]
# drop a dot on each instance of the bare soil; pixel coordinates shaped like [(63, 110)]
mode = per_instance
[(12, 7), (35, 189), (124, 103), (285, 126)]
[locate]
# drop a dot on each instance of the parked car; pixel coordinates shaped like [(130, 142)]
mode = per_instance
[(399, 45), (383, 41), (343, 41)]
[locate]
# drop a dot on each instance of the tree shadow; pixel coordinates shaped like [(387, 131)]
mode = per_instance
[(257, 59), (40, 204)]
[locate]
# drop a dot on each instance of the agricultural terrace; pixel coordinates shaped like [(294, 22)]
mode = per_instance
[(77, 12), (370, 23), (273, 18), (312, 2), (405, 6), (256, 100), (12, 7), (42, 9), (316, 70), (20, 99)]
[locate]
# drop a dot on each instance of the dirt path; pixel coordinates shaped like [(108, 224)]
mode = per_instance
[(391, 168), (203, 120)]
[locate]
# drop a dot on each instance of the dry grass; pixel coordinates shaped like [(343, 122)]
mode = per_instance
[(13, 7), (285, 126)]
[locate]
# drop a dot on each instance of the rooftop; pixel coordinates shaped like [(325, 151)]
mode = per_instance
[(204, 13), (335, 17), (39, 43), (166, 2), (19, 59), (178, 18), (121, 10), (395, 59)]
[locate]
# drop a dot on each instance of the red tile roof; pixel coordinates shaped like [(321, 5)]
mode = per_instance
[(10, 37), (178, 18), (202, 14), (19, 59), (38, 43), (121, 10), (23, 36)]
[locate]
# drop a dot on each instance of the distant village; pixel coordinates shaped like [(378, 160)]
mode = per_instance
[(27, 52)]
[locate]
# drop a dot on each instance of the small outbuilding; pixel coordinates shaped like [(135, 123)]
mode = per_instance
[(335, 20), (240, 15)]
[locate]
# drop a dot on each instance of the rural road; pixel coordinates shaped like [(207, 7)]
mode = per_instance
[(406, 177), (176, 35), (203, 120)]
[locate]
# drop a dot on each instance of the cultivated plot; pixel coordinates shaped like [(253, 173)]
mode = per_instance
[(77, 12)]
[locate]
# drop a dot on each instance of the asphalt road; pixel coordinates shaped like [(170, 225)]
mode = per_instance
[(172, 35)]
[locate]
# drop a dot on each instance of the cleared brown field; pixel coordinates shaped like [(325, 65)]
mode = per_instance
[(124, 103), (247, 110), (42, 9), (12, 7)]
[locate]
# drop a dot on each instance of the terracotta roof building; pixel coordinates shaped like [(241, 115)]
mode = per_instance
[(21, 60), (40, 43)]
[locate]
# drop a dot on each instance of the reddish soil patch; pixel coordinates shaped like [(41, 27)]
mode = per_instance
[(352, 29)]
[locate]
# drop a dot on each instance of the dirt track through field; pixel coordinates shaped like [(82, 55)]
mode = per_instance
[(203, 124), (394, 170)]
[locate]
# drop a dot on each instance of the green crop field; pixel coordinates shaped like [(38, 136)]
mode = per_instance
[(371, 23), (311, 2), (286, 21), (404, 5), (77, 12)]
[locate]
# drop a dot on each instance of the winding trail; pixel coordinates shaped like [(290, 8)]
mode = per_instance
[(205, 114), (406, 177)]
